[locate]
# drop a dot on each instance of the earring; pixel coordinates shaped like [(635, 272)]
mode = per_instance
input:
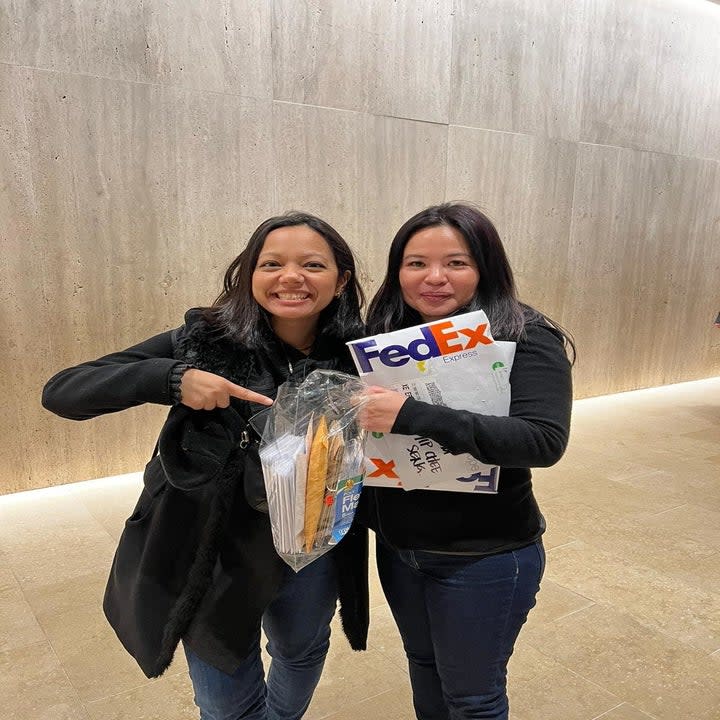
[(339, 292)]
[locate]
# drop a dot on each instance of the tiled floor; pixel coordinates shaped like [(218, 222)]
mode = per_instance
[(627, 625)]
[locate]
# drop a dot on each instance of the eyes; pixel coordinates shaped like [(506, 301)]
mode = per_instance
[(276, 264), (454, 263)]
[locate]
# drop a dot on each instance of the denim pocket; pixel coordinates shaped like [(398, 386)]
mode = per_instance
[(541, 553)]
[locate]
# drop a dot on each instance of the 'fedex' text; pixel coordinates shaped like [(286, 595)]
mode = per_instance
[(436, 340)]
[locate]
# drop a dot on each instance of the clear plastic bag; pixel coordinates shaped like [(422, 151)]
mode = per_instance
[(312, 454)]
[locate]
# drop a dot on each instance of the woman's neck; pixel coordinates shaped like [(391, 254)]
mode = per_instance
[(297, 334)]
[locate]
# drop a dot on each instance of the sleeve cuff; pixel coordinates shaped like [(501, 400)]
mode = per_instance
[(175, 381), (404, 419)]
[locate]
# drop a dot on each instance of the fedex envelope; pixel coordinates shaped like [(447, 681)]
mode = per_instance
[(453, 362)]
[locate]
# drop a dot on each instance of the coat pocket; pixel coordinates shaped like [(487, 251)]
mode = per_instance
[(154, 483)]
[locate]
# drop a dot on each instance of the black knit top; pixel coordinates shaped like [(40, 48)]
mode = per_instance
[(534, 434)]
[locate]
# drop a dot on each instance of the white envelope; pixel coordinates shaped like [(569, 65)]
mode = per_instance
[(453, 362)]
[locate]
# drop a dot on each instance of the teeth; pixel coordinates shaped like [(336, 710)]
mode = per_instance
[(292, 296)]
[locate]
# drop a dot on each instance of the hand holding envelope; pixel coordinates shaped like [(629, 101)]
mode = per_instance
[(380, 409)]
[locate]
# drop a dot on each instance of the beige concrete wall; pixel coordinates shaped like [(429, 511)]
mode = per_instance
[(141, 142)]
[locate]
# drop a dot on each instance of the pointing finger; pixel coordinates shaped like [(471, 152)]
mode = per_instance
[(244, 394)]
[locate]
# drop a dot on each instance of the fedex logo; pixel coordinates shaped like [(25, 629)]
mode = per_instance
[(435, 340)]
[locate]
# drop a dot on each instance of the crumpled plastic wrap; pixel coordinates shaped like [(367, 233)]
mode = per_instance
[(312, 454)]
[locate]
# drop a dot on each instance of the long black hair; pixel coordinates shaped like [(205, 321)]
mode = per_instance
[(237, 315), (496, 293)]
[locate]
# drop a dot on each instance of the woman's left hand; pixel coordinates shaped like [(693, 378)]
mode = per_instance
[(380, 408)]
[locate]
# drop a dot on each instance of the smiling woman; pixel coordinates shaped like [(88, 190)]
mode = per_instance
[(206, 571), (460, 571)]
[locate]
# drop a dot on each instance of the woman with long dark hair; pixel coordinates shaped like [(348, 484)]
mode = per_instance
[(196, 561), (461, 570)]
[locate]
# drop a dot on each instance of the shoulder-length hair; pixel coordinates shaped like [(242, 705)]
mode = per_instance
[(496, 293), (237, 315)]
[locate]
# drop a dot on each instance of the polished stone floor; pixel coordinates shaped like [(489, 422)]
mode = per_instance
[(627, 625)]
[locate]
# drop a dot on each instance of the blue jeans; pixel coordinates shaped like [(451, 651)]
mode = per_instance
[(459, 617), (297, 626)]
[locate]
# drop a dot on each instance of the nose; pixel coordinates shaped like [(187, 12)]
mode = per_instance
[(436, 275), (291, 274)]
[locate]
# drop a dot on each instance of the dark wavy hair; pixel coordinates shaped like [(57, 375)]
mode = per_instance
[(496, 293), (237, 315)]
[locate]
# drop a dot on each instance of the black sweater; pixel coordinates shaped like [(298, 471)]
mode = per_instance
[(534, 434)]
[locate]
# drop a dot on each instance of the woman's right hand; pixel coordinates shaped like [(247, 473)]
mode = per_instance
[(379, 408), (202, 390)]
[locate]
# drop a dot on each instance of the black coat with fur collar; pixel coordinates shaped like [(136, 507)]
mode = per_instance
[(209, 568)]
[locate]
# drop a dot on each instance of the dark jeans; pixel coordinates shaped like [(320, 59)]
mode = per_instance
[(459, 617), (297, 626)]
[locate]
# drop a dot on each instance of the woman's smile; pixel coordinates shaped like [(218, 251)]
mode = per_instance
[(291, 297)]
